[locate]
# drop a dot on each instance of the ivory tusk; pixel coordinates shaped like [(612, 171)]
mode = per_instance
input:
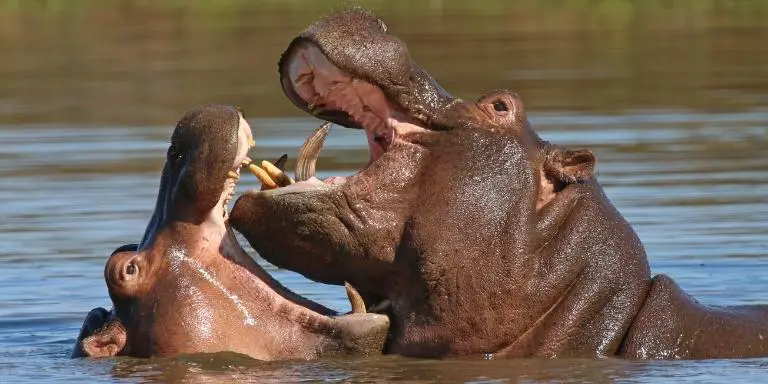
[(305, 161), (263, 176), (357, 302)]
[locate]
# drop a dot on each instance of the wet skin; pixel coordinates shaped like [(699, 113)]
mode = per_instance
[(189, 287), (476, 235)]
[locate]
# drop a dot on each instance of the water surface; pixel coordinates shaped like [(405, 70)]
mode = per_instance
[(671, 98)]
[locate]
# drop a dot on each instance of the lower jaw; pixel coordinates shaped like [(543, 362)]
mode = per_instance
[(231, 250)]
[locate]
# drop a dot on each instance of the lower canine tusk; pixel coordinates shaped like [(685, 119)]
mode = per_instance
[(358, 305), (305, 162)]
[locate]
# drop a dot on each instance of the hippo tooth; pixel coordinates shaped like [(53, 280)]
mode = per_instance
[(233, 175), (355, 300), (276, 174), (307, 157), (263, 177)]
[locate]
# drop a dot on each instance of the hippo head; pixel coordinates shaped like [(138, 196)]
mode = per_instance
[(189, 286), (472, 233), (461, 226)]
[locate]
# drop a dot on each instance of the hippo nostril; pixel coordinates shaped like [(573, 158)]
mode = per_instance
[(130, 269), (500, 106)]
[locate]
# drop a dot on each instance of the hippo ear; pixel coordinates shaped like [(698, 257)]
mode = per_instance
[(105, 342), (569, 166)]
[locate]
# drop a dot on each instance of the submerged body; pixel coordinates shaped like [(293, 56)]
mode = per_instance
[(480, 236), (189, 287)]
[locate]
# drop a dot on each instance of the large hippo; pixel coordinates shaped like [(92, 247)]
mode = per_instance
[(189, 286), (480, 236)]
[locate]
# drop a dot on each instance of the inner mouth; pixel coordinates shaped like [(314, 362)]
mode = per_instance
[(234, 251), (319, 87)]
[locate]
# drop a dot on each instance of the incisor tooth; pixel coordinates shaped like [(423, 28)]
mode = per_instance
[(263, 176), (233, 175), (279, 176), (247, 161)]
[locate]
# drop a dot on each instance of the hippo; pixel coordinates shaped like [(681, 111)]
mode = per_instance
[(189, 287), (471, 232)]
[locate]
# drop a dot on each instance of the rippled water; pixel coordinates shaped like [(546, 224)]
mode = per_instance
[(672, 101)]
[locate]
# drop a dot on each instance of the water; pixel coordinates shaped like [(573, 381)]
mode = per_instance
[(673, 99)]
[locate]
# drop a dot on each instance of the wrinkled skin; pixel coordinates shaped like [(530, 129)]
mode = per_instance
[(189, 287), (480, 236)]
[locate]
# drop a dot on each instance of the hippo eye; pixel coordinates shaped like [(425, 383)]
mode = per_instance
[(130, 269), (500, 106)]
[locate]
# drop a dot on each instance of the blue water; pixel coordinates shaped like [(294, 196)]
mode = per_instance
[(693, 186), (671, 96)]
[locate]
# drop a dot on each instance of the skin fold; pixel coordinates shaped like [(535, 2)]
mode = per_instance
[(189, 287), (472, 233)]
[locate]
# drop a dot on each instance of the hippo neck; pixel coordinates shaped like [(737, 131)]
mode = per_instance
[(207, 243), (211, 244), (578, 245)]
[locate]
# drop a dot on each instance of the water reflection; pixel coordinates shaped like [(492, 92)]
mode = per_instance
[(214, 368), (670, 95), (144, 62)]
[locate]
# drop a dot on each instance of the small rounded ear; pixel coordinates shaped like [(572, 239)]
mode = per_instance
[(105, 342), (569, 166)]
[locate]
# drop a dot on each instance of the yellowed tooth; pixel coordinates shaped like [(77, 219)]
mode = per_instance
[(246, 162), (251, 142), (233, 175), (355, 300), (382, 306), (263, 176), (279, 176)]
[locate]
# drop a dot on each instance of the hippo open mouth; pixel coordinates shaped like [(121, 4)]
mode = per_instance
[(321, 88), (372, 84), (190, 287)]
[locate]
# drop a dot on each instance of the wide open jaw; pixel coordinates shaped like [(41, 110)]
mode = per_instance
[(319, 87), (246, 142), (214, 227)]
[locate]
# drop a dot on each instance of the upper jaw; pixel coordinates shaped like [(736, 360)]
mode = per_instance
[(318, 86), (352, 48), (347, 70)]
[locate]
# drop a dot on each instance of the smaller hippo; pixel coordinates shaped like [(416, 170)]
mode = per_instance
[(189, 286)]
